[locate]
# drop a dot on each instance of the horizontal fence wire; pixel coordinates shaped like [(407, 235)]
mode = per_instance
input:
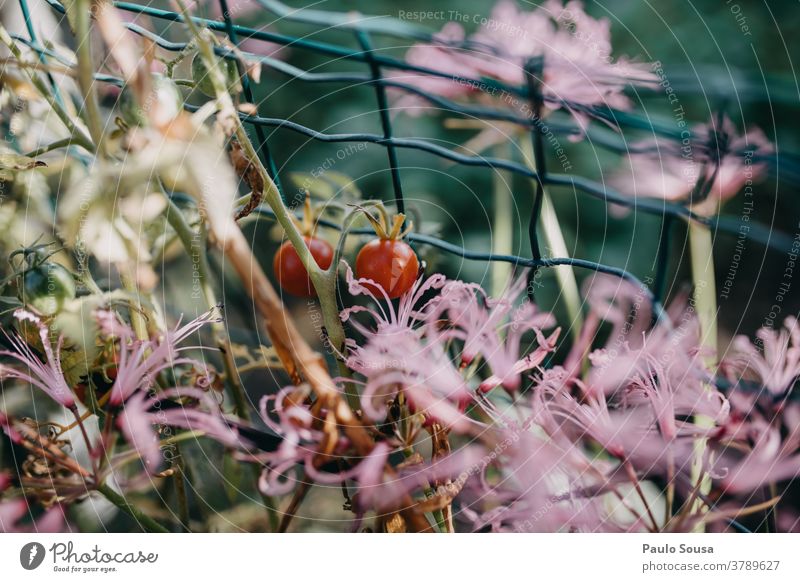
[(788, 164)]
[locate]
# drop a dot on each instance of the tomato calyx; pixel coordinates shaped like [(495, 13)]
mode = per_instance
[(388, 262), (289, 269), (381, 224)]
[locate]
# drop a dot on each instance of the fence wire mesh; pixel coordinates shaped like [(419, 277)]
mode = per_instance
[(785, 167)]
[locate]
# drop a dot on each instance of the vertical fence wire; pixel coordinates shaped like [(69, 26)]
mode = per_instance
[(533, 77), (263, 146), (386, 122)]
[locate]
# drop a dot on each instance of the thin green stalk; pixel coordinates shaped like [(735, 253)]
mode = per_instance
[(550, 230), (705, 305), (180, 490), (185, 234), (86, 73), (138, 320), (56, 145), (147, 522), (502, 226), (436, 514)]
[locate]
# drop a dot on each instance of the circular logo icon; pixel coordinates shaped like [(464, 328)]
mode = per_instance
[(31, 555)]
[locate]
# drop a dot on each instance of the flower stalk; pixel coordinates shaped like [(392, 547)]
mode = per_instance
[(705, 304), (86, 73), (145, 521)]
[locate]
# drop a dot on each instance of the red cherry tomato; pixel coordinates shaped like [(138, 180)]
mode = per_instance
[(290, 272), (111, 367), (392, 264), (80, 391)]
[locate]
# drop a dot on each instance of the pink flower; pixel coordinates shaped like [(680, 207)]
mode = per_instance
[(47, 375), (13, 511), (436, 56), (289, 417), (632, 349), (420, 368), (301, 444), (140, 361), (406, 348), (768, 458), (136, 424), (542, 485), (579, 70), (493, 328), (399, 354), (774, 364), (672, 171), (141, 413), (379, 489), (647, 425), (111, 326), (387, 319)]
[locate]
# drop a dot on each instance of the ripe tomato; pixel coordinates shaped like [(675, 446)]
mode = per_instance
[(392, 264), (290, 272), (110, 367)]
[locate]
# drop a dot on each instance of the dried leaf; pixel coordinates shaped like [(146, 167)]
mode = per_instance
[(251, 175), (10, 164), (395, 524), (248, 109), (253, 70), (120, 44)]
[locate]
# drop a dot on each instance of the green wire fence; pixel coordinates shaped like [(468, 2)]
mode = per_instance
[(363, 30)]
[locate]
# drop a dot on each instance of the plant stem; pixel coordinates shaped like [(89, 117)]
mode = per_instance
[(324, 281), (185, 234), (180, 491), (187, 237), (147, 522), (554, 240), (295, 353), (138, 320), (86, 73), (502, 226), (705, 305), (61, 143)]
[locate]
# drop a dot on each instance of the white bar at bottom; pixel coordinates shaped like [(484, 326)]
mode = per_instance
[(407, 558)]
